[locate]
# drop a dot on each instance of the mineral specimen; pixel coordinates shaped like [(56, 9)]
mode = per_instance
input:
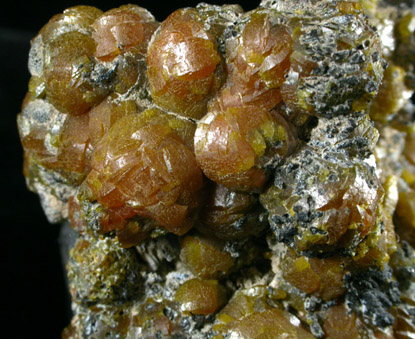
[(230, 174)]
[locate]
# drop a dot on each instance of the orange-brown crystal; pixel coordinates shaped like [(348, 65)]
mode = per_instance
[(73, 154), (199, 296), (232, 146), (272, 323), (259, 65), (204, 257), (322, 277), (69, 59), (123, 29), (340, 324), (72, 19), (181, 65), (144, 165), (104, 115), (230, 215)]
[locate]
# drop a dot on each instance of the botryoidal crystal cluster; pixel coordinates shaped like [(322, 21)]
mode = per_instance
[(230, 174)]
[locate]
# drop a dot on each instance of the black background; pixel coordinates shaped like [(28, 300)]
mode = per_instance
[(34, 301)]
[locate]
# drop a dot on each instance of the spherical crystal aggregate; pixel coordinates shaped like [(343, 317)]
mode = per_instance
[(229, 173)]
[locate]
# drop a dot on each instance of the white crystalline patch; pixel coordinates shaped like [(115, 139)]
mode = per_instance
[(386, 35), (411, 26), (35, 63), (49, 144), (42, 115), (406, 96), (54, 209), (53, 193), (295, 321), (174, 280), (235, 335), (371, 161)]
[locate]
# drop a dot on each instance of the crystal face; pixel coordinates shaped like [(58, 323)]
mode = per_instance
[(230, 174)]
